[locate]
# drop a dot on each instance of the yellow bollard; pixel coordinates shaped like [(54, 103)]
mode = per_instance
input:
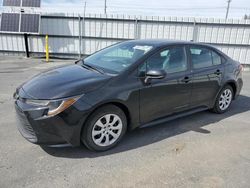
[(47, 48)]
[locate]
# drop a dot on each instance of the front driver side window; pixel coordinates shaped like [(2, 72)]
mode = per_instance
[(172, 60)]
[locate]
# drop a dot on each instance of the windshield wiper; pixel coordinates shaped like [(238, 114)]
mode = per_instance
[(92, 67)]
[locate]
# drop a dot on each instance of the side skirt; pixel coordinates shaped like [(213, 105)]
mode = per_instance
[(173, 117)]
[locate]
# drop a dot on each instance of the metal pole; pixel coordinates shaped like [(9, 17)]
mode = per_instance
[(136, 29), (26, 45), (82, 31), (85, 5), (105, 7), (80, 37), (228, 6), (47, 48), (83, 34), (195, 32)]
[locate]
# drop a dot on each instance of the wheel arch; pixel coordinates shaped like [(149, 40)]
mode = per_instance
[(124, 108), (118, 104), (84, 133), (233, 85)]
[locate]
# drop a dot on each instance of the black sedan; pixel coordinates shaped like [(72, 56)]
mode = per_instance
[(128, 85)]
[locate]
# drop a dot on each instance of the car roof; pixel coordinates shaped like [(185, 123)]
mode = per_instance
[(164, 42)]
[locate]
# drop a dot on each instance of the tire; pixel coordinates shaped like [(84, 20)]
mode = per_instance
[(98, 135), (223, 100)]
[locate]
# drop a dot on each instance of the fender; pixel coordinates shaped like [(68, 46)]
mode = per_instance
[(229, 82), (131, 113)]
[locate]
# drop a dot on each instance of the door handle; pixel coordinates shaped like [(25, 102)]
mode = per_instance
[(186, 79), (218, 72)]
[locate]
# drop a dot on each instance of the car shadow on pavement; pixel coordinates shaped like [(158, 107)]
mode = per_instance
[(149, 135)]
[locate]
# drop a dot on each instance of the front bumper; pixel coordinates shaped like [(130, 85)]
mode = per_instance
[(63, 128)]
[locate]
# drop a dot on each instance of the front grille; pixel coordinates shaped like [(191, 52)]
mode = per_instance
[(24, 126)]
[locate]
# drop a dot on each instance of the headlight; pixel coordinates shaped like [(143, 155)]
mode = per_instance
[(54, 106), (37, 102)]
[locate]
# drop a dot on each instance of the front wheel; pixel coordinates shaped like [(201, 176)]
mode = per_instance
[(104, 128), (223, 100)]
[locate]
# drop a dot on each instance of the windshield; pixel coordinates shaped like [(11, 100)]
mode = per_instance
[(118, 57)]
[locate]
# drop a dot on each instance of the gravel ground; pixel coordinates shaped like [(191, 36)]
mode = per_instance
[(201, 150)]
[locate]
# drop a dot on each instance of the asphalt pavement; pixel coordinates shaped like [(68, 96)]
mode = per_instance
[(201, 150)]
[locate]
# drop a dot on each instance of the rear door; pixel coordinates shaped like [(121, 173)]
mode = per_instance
[(208, 71)]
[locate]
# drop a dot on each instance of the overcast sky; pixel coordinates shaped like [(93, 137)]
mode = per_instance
[(198, 8)]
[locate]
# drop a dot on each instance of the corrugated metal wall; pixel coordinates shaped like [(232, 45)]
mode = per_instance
[(74, 35)]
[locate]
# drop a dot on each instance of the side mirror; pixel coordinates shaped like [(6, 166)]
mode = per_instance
[(155, 74)]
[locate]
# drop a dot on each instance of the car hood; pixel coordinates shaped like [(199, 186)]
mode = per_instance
[(64, 82)]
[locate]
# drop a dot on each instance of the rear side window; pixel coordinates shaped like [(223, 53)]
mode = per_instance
[(204, 57), (216, 58), (201, 57)]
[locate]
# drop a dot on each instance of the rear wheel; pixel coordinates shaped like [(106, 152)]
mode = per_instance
[(224, 100), (104, 128)]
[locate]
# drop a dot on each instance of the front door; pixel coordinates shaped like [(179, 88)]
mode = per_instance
[(161, 97)]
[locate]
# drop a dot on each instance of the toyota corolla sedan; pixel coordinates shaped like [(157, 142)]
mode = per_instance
[(132, 84)]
